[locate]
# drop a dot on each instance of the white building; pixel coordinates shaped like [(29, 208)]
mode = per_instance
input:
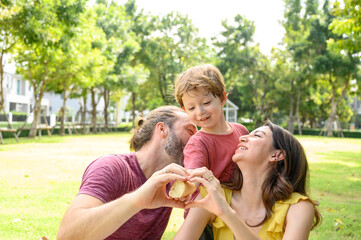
[(230, 111), (19, 95)]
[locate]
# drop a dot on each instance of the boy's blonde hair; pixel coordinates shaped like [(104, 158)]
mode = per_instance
[(204, 76)]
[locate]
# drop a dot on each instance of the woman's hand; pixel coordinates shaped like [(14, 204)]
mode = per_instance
[(215, 201), (152, 194)]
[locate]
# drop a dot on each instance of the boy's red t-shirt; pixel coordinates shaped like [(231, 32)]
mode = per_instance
[(214, 151)]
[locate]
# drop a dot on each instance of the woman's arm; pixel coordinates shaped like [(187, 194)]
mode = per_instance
[(216, 203), (194, 224), (299, 220)]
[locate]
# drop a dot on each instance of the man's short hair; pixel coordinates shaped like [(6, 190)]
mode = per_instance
[(145, 129)]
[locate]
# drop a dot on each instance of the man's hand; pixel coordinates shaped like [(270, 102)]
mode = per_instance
[(153, 192)]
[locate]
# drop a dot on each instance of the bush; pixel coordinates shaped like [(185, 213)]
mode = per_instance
[(55, 131), (316, 132)]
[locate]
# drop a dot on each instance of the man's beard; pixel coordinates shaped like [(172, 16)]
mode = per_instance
[(174, 148)]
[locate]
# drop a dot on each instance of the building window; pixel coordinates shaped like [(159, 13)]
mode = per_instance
[(12, 106), (18, 87), (9, 81), (22, 88)]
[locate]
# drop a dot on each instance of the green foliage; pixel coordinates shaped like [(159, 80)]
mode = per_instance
[(318, 132), (10, 18), (248, 74), (42, 53), (169, 49), (113, 50), (347, 21)]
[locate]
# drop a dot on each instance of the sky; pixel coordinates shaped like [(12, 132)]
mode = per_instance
[(207, 16)]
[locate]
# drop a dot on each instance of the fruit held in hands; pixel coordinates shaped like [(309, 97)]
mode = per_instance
[(181, 189)]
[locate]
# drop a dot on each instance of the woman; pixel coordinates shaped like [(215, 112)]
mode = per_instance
[(268, 197)]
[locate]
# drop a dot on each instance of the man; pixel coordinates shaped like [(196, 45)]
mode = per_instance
[(124, 196)]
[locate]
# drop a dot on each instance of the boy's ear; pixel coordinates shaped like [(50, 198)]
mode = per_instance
[(224, 98)]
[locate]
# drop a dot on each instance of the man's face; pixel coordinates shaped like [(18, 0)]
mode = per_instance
[(178, 137)]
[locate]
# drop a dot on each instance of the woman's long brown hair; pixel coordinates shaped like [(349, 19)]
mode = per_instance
[(284, 177)]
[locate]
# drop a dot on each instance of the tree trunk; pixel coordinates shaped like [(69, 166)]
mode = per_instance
[(83, 114), (38, 96), (133, 108), (37, 109), (6, 37), (312, 122), (259, 111), (62, 113), (106, 105), (298, 110), (334, 102), (163, 88), (117, 114), (94, 111), (332, 117), (36, 120), (291, 120), (1, 81)]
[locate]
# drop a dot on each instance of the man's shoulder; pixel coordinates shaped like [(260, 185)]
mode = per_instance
[(112, 160)]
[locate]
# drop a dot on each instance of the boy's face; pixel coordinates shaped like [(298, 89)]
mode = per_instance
[(204, 109)]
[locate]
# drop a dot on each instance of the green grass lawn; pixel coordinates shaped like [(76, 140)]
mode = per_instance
[(39, 178)]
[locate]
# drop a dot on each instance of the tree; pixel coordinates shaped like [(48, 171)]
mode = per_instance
[(119, 50), (9, 35), (69, 63), (96, 70), (247, 72), (67, 80), (338, 67), (36, 57), (347, 22), (172, 47), (299, 46)]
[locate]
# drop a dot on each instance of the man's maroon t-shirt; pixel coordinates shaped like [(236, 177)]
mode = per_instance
[(110, 177)]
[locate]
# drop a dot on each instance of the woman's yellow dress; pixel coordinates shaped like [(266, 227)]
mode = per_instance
[(272, 229)]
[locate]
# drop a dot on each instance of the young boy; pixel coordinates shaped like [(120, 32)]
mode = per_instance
[(201, 92)]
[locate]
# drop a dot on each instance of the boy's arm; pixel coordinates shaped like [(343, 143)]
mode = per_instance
[(195, 154)]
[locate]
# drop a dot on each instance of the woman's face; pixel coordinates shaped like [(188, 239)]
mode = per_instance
[(256, 147)]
